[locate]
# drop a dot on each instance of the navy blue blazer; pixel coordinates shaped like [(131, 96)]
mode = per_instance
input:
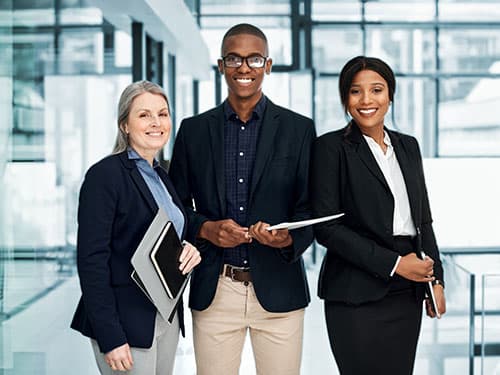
[(115, 210), (278, 192), (345, 177)]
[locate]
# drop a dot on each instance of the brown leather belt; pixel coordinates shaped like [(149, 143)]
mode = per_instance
[(237, 273)]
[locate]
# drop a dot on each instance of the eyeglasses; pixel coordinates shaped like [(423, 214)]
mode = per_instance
[(235, 61)]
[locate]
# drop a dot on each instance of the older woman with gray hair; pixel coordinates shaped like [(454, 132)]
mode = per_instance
[(119, 198)]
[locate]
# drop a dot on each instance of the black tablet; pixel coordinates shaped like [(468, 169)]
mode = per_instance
[(165, 258)]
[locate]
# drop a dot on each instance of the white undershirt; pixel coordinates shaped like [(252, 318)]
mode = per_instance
[(402, 223)]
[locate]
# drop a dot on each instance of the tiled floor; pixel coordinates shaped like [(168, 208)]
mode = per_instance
[(38, 340)]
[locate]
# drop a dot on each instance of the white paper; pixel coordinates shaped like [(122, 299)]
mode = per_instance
[(303, 223)]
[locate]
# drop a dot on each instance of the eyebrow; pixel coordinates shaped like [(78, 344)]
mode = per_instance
[(149, 110), (371, 84)]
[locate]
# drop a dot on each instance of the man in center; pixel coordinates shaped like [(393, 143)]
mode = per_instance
[(239, 168)]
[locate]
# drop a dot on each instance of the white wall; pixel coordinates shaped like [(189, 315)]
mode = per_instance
[(465, 200)]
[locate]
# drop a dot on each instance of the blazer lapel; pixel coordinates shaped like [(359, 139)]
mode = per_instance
[(269, 127), (363, 151), (408, 170), (139, 181), (216, 131)]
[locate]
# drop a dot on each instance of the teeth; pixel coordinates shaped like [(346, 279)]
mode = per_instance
[(367, 111), (244, 80), (155, 134)]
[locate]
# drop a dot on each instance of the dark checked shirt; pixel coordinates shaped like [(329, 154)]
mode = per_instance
[(240, 145)]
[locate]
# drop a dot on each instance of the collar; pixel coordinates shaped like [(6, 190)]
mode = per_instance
[(258, 110), (133, 155), (371, 141)]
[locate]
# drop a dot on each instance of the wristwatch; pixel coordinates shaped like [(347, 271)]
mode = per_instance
[(438, 282)]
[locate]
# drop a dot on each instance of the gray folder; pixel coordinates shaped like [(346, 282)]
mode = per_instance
[(142, 264)]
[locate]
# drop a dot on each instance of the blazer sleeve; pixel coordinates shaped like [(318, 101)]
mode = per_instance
[(327, 184), (302, 237), (96, 212), (179, 174), (429, 243)]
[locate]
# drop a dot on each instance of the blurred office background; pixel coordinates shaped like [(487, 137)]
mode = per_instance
[(63, 64)]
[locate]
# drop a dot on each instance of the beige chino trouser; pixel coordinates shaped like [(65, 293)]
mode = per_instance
[(219, 333)]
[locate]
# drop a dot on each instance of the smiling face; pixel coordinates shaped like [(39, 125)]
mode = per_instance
[(148, 125), (244, 83), (368, 101)]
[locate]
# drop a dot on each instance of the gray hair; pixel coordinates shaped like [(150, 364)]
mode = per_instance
[(127, 97)]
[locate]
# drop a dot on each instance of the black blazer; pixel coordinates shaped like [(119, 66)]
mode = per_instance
[(345, 177), (278, 192), (115, 210)]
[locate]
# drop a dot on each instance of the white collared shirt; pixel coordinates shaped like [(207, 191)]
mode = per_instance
[(402, 223)]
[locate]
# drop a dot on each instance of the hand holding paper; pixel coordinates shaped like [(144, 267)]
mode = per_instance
[(303, 223)]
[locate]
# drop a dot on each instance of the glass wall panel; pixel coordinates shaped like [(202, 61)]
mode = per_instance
[(277, 30), (329, 113), (490, 323), (468, 119), (414, 110), (258, 7), (397, 10), (207, 93), (58, 114), (336, 10), (6, 121), (443, 346), (333, 46), (405, 50), (469, 10), (470, 50)]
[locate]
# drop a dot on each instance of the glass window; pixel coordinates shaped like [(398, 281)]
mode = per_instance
[(206, 95), (332, 47), (469, 50), (329, 113), (415, 110), (336, 10), (469, 10), (397, 10), (405, 50), (271, 7), (468, 118), (277, 30)]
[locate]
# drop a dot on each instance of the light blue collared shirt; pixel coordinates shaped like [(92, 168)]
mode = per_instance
[(158, 189)]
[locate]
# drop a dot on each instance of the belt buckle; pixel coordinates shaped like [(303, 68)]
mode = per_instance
[(233, 269)]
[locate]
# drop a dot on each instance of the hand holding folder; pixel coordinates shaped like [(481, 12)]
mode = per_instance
[(165, 258), (146, 274), (429, 290)]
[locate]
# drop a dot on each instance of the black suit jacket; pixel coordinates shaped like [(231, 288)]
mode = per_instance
[(278, 192), (345, 177), (115, 209)]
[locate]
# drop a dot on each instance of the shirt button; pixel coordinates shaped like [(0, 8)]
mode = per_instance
[(242, 153), (242, 208), (242, 128), (240, 180)]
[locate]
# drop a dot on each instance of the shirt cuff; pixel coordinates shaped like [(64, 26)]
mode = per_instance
[(395, 266)]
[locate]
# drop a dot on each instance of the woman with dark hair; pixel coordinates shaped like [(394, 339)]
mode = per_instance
[(372, 279), (119, 198)]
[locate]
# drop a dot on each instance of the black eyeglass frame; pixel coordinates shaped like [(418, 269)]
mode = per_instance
[(245, 59)]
